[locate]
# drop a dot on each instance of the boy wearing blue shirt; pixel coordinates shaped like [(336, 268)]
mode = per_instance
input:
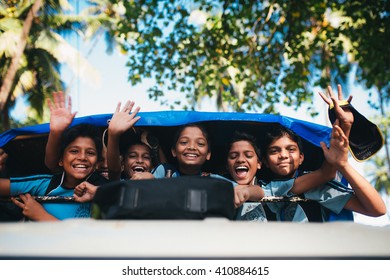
[(79, 150)]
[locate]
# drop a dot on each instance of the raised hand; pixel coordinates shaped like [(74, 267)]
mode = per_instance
[(337, 153), (61, 115), (123, 119), (343, 114)]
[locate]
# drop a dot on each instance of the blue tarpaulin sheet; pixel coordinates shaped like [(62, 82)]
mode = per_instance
[(311, 132)]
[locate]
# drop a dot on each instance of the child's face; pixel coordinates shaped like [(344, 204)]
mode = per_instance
[(191, 149), (283, 157), (138, 159), (101, 166), (243, 162), (79, 160)]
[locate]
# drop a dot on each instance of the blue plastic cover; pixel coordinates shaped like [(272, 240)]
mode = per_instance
[(311, 132)]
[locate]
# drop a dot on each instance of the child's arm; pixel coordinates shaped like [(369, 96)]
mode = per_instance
[(366, 199), (121, 121), (3, 159), (5, 186), (243, 193), (32, 209), (322, 175), (84, 192), (142, 176), (327, 171), (314, 179), (61, 117)]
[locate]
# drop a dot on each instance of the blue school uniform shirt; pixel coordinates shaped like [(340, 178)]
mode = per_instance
[(37, 186), (332, 196)]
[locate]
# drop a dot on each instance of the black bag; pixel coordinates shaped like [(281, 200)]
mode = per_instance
[(186, 197), (365, 138)]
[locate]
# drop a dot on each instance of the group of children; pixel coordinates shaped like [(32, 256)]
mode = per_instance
[(79, 153)]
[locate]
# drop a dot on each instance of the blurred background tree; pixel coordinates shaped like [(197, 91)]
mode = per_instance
[(253, 55), (33, 36)]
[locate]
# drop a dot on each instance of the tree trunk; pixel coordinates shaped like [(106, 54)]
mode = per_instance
[(10, 75)]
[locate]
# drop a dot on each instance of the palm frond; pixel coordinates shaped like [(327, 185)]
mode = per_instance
[(379, 174), (13, 10), (66, 54)]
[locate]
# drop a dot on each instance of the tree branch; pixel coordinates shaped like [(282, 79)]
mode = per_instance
[(10, 75)]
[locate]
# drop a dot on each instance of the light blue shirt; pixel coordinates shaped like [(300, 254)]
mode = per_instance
[(332, 196), (37, 186)]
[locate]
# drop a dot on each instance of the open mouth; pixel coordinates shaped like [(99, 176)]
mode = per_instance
[(241, 170), (138, 169), (191, 155), (80, 166), (103, 172)]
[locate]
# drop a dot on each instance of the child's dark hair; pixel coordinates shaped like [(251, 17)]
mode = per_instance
[(198, 125), (278, 132), (82, 130), (243, 136)]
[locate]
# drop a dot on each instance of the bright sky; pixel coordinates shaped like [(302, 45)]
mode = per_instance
[(100, 97)]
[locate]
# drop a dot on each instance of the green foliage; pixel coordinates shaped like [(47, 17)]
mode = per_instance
[(248, 55), (46, 50), (38, 72), (16, 123), (379, 172), (252, 55), (379, 166)]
